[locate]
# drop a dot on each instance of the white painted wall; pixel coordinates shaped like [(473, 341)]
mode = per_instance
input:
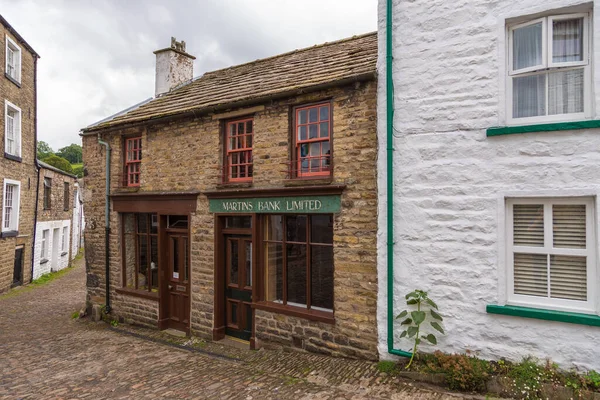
[(450, 179), (77, 223), (62, 260), (172, 69)]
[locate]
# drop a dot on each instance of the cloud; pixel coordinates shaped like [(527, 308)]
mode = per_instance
[(96, 56)]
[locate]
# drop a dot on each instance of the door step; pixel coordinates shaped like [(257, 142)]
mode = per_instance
[(235, 342), (175, 332)]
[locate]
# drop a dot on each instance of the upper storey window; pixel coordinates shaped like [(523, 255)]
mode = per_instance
[(13, 60), (133, 161), (239, 138), (12, 129), (549, 69), (312, 140)]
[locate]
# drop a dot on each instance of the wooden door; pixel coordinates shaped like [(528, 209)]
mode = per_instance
[(238, 286), (18, 267), (178, 281)]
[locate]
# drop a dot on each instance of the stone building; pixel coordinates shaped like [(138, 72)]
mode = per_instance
[(243, 203), (495, 173), (58, 204), (17, 166)]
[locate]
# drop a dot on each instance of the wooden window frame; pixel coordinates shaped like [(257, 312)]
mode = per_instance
[(47, 193), (228, 153), (132, 162), (589, 252), (16, 66), (16, 129), (548, 67), (138, 236), (296, 169), (13, 224), (66, 195), (44, 245), (283, 305)]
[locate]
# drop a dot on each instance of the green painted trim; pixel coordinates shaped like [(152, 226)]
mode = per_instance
[(276, 205), (560, 126), (548, 315)]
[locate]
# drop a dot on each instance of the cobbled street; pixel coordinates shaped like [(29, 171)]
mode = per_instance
[(45, 354)]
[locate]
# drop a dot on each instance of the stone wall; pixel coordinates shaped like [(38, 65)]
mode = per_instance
[(451, 180), (185, 154), (24, 171)]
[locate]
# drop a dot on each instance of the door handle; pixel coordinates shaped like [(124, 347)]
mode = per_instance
[(170, 287)]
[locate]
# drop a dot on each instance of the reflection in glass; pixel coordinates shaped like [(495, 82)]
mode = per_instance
[(274, 271), (233, 261), (321, 279), (296, 274), (296, 228), (248, 263)]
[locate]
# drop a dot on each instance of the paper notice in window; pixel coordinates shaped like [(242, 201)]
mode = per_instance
[(175, 275)]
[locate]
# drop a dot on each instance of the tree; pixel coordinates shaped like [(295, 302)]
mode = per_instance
[(78, 170), (59, 163), (72, 153), (43, 150)]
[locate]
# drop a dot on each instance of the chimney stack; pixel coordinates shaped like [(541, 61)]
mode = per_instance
[(173, 67)]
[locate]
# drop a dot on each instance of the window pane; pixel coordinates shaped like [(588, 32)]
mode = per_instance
[(313, 131), (154, 262), (142, 223), (274, 227), (531, 274), (527, 46), (302, 133), (313, 114), (248, 263), (529, 96), (143, 262), (233, 261), (565, 92), (177, 221), (296, 274), (153, 223), (315, 149), (238, 222), (296, 228), (568, 277), (568, 225), (129, 250), (321, 277), (528, 225), (274, 271), (321, 229), (324, 113), (302, 116), (175, 256), (324, 129), (249, 127), (567, 40)]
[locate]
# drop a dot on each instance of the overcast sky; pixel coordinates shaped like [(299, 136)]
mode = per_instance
[(96, 56)]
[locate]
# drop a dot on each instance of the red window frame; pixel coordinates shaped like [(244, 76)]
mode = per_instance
[(312, 136), (238, 150), (133, 161)]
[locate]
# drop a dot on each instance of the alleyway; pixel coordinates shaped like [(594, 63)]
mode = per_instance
[(46, 354)]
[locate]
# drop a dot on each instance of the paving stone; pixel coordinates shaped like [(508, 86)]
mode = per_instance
[(47, 355)]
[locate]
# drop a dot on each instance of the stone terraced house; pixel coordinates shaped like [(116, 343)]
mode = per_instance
[(17, 165), (242, 204), (56, 226), (492, 186)]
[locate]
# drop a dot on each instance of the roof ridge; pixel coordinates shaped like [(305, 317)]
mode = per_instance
[(303, 49)]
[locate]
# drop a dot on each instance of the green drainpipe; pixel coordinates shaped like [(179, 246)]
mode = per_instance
[(390, 184)]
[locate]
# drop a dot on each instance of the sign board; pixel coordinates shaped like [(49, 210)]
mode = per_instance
[(278, 205)]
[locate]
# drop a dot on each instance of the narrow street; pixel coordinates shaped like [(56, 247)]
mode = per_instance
[(48, 355)]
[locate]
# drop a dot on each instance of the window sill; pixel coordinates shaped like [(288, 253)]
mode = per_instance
[(303, 181), (314, 315), (138, 293), (43, 261), (13, 80), (12, 157), (548, 315), (6, 234), (559, 126)]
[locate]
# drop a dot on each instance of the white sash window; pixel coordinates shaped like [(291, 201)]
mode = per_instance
[(10, 205), (13, 59), (12, 129)]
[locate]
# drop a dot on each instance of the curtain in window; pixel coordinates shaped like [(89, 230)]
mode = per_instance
[(565, 92), (567, 40), (527, 46), (529, 96)]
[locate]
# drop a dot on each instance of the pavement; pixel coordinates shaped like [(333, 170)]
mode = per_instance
[(47, 354)]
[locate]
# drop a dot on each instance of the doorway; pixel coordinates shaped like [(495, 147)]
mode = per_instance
[(18, 267), (177, 272), (238, 286)]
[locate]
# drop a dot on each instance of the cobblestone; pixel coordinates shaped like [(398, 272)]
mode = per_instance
[(47, 355)]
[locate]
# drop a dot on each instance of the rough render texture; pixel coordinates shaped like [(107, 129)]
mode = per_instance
[(450, 179), (25, 171), (172, 69), (185, 155)]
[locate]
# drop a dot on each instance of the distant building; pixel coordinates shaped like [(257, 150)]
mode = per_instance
[(18, 172), (243, 203)]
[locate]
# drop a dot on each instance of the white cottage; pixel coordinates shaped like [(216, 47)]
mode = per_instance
[(494, 161)]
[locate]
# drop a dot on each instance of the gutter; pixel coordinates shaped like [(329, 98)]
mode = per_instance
[(107, 225), (36, 166), (390, 183)]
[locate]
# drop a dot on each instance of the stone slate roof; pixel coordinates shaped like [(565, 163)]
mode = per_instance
[(53, 168), (283, 75)]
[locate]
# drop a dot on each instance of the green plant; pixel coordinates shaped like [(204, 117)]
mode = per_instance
[(423, 303), (463, 372), (592, 380), (389, 367), (114, 323), (528, 376), (75, 315)]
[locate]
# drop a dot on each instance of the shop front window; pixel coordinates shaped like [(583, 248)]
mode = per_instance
[(299, 260), (140, 252)]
